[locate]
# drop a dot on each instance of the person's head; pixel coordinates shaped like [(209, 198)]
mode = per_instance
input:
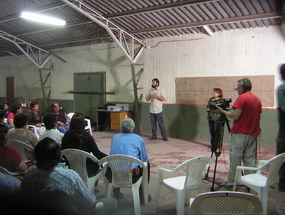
[(3, 134), (50, 121), (20, 120), (155, 83), (243, 85), (17, 109), (127, 126), (34, 106), (47, 153), (55, 107), (217, 93), (4, 106), (282, 71), (77, 123)]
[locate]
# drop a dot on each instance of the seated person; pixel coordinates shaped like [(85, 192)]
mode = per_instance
[(21, 131), (76, 137), (50, 121), (128, 143), (48, 176), (34, 116), (5, 107), (15, 109), (10, 159), (62, 119), (2, 117)]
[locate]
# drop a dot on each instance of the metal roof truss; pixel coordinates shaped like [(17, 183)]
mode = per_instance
[(37, 55), (131, 46)]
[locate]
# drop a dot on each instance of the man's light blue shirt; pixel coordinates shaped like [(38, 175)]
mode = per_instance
[(129, 144)]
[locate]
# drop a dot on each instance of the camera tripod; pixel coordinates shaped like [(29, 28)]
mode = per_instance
[(217, 147)]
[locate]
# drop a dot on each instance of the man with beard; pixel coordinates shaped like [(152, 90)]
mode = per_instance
[(156, 96)]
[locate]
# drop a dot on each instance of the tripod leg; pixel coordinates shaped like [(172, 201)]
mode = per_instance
[(207, 174), (214, 177)]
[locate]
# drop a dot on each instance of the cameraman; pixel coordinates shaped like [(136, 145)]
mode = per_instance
[(213, 116), (246, 127)]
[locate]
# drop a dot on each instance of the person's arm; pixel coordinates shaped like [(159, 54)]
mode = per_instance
[(161, 98), (148, 97), (235, 114), (93, 147), (83, 196), (22, 166)]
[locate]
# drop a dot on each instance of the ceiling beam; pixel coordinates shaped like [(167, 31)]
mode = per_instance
[(131, 46), (272, 15), (159, 7)]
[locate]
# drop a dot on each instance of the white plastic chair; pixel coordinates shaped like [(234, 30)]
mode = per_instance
[(34, 130), (7, 172), (25, 150), (261, 181), (70, 115), (88, 126), (77, 161), (192, 180), (87, 123), (225, 203), (121, 168)]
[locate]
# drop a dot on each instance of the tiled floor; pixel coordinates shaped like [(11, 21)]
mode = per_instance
[(169, 155)]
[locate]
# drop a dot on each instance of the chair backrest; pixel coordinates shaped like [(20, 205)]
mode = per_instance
[(88, 126), (77, 161), (273, 166), (121, 167), (70, 115), (7, 172), (194, 169), (226, 203), (25, 150), (33, 129)]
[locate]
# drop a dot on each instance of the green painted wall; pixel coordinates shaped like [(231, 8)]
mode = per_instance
[(190, 123)]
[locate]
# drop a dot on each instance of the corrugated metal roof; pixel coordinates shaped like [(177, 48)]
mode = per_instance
[(141, 18)]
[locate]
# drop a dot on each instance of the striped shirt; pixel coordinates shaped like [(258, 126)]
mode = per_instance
[(37, 181)]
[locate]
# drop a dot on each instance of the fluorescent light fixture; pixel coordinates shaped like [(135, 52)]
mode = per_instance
[(208, 30), (42, 19)]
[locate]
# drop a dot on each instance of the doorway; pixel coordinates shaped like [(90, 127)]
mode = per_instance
[(89, 94)]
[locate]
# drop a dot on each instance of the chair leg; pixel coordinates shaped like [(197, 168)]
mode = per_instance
[(109, 191), (276, 189), (136, 196), (157, 197), (145, 190), (180, 202), (263, 199)]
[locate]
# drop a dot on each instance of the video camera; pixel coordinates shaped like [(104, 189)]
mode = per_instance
[(222, 103)]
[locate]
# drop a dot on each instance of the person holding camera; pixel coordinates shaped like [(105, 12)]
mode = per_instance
[(245, 129), (213, 116), (280, 141)]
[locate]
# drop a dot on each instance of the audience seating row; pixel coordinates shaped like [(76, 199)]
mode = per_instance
[(263, 177)]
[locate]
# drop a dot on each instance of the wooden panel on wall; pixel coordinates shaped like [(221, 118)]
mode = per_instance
[(197, 91)]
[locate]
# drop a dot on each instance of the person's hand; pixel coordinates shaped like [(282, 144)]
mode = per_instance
[(60, 123), (155, 95), (219, 110)]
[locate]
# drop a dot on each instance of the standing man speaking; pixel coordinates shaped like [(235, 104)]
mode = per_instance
[(245, 129), (157, 96)]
